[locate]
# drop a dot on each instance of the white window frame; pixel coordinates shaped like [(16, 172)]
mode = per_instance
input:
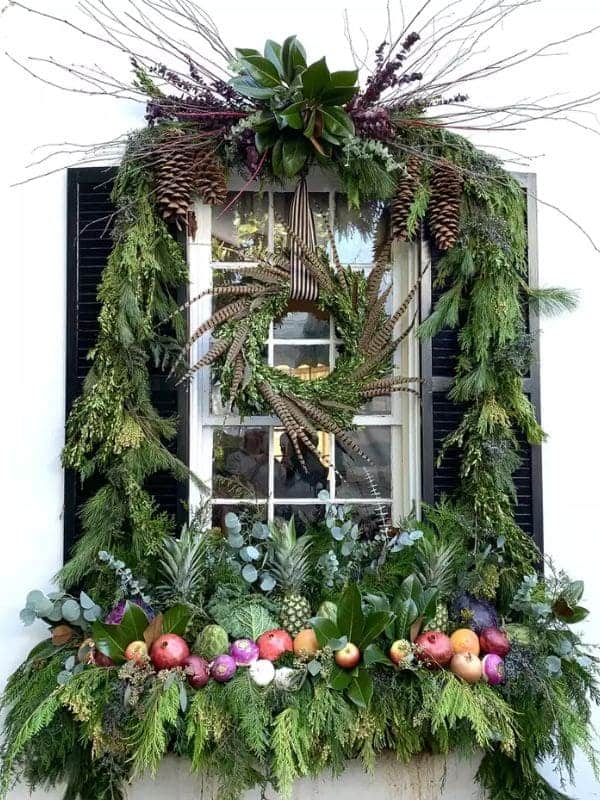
[(404, 416)]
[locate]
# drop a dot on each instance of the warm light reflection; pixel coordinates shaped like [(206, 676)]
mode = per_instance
[(306, 372), (323, 446)]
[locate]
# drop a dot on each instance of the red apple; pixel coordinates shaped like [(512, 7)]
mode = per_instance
[(348, 657), (169, 651), (434, 649), (493, 640), (197, 670), (400, 651), (137, 652), (467, 666), (273, 644)]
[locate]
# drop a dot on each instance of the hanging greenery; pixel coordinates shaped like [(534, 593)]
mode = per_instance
[(260, 655)]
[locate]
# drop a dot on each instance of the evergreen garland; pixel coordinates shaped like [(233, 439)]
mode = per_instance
[(78, 712)]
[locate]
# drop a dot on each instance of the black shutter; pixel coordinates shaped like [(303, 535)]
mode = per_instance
[(441, 416), (89, 218)]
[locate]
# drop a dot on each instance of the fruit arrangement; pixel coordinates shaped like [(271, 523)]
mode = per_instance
[(277, 670)]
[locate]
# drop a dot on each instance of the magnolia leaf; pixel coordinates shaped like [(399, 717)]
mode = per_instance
[(266, 139), (325, 629), (154, 630), (176, 619), (406, 613), (250, 89), (315, 79), (350, 618), (262, 70), (360, 690), (277, 158), (294, 155), (373, 654), (112, 640), (183, 698), (337, 122), (293, 115), (293, 58), (373, 625), (339, 678), (244, 52), (272, 52), (337, 644)]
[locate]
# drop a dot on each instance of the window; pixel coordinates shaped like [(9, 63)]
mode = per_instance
[(247, 461)]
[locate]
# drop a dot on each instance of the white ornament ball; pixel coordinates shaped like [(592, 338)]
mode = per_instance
[(262, 672)]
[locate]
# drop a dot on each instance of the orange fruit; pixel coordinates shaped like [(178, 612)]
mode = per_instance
[(305, 643), (464, 640)]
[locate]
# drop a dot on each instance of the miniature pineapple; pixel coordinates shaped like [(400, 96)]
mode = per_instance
[(435, 568), (289, 563)]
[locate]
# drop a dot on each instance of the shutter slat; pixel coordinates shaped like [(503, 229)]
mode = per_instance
[(89, 213), (440, 416)]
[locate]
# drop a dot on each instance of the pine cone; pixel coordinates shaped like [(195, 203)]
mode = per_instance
[(403, 199), (444, 206), (173, 163), (209, 180)]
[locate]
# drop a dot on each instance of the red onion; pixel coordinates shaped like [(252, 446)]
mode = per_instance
[(223, 668), (244, 652), (493, 669)]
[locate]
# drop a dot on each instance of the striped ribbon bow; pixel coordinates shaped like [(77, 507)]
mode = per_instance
[(302, 224)]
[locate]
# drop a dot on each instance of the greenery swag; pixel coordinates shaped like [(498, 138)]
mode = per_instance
[(89, 707)]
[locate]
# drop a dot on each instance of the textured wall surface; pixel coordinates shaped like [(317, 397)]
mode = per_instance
[(32, 220)]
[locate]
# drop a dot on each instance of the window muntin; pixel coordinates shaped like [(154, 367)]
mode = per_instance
[(247, 462)]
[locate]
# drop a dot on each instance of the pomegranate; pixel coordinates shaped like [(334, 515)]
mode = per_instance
[(274, 643), (197, 670), (434, 649), (169, 651), (493, 640), (466, 666)]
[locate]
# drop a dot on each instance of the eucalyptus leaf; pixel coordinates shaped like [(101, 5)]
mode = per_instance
[(63, 677), (70, 610), (235, 540), (183, 698), (27, 616), (314, 667), (86, 601), (249, 573), (267, 582)]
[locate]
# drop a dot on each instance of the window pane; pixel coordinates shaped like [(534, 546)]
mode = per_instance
[(352, 471), (291, 480), (305, 517), (282, 201), (303, 321), (248, 514), (304, 361), (355, 230), (240, 462), (240, 233)]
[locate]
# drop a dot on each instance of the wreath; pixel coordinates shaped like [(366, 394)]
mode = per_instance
[(260, 655), (357, 305)]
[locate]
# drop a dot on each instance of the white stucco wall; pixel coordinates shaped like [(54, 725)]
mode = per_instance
[(32, 255)]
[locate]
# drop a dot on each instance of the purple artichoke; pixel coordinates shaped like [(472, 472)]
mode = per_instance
[(115, 616)]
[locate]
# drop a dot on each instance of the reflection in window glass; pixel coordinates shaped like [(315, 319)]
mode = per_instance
[(240, 462), (303, 321), (355, 230), (305, 517), (241, 232), (282, 201), (291, 479), (352, 472), (305, 361)]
